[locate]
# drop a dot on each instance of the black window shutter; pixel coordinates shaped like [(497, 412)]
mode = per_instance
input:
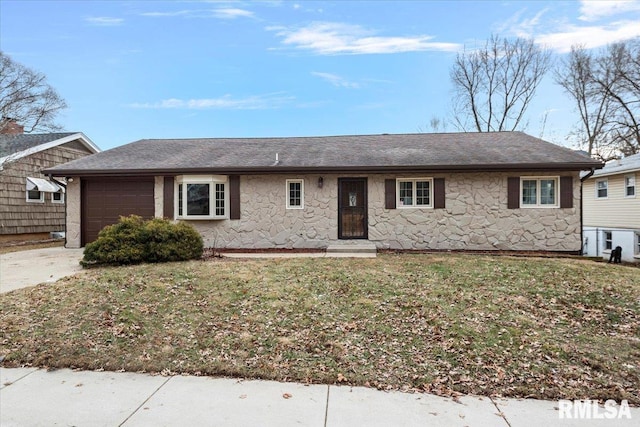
[(438, 193), (390, 193), (234, 197), (566, 191), (513, 192), (167, 195)]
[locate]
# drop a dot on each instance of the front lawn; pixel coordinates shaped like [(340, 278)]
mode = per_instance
[(442, 323)]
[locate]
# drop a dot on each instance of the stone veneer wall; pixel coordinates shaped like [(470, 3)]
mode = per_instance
[(475, 218), (73, 213)]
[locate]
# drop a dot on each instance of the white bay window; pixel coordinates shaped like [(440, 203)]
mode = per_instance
[(201, 197)]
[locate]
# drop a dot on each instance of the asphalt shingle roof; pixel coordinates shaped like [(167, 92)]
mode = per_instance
[(445, 151), (11, 144), (627, 164)]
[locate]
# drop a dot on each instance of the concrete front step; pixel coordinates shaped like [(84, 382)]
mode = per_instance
[(363, 248)]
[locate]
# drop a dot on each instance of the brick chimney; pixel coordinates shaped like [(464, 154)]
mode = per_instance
[(9, 126)]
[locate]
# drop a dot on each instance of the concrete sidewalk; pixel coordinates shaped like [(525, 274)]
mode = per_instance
[(33, 397)]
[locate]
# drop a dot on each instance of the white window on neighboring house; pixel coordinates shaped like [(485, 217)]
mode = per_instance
[(295, 194), (57, 197), (630, 186), (36, 187), (35, 196), (607, 240), (202, 197), (539, 192), (414, 192), (637, 245), (602, 188)]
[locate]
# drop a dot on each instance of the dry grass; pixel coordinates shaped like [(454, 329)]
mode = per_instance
[(545, 328)]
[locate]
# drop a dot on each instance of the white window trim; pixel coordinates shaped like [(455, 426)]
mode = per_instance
[(636, 244), (538, 188), (400, 205), (596, 186), (288, 191), (59, 202), (212, 180), (635, 186), (40, 200)]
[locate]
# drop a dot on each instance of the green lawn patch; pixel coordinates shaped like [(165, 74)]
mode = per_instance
[(446, 324)]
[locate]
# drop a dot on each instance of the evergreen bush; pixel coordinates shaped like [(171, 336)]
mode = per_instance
[(134, 240)]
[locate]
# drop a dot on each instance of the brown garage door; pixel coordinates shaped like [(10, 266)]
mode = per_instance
[(104, 200)]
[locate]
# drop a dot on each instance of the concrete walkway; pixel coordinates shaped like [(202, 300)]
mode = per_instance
[(28, 268), (33, 397)]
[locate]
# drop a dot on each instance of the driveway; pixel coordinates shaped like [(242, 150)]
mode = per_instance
[(29, 268)]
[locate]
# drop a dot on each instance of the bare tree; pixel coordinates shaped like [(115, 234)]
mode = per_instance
[(576, 76), (605, 86), (618, 77), (27, 98), (494, 85), (436, 125)]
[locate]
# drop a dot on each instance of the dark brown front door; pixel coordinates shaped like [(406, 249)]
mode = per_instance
[(352, 208)]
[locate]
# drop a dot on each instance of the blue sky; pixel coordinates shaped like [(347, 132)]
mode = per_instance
[(179, 69)]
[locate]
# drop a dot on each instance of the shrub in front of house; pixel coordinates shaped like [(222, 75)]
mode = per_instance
[(134, 240)]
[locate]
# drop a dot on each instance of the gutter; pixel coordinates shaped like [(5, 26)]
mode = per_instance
[(530, 167), (582, 180)]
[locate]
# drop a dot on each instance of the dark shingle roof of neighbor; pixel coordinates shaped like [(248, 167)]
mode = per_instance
[(419, 152), (10, 144)]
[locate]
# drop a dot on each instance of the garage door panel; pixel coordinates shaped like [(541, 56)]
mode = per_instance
[(105, 200)]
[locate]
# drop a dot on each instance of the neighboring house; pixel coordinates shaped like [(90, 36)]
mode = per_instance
[(32, 206), (611, 206), (457, 191)]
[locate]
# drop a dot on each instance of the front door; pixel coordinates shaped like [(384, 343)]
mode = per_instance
[(352, 208)]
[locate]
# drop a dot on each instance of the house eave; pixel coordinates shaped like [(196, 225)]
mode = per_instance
[(91, 146), (261, 170)]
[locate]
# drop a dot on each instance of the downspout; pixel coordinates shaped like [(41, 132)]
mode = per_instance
[(582, 180)]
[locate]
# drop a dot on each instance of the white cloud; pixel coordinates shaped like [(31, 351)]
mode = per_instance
[(327, 38), (336, 80), (104, 21), (232, 13), (226, 102), (220, 13), (163, 14), (589, 36), (593, 10), (559, 33)]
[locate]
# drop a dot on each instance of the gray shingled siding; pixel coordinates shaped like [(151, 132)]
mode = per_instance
[(17, 216)]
